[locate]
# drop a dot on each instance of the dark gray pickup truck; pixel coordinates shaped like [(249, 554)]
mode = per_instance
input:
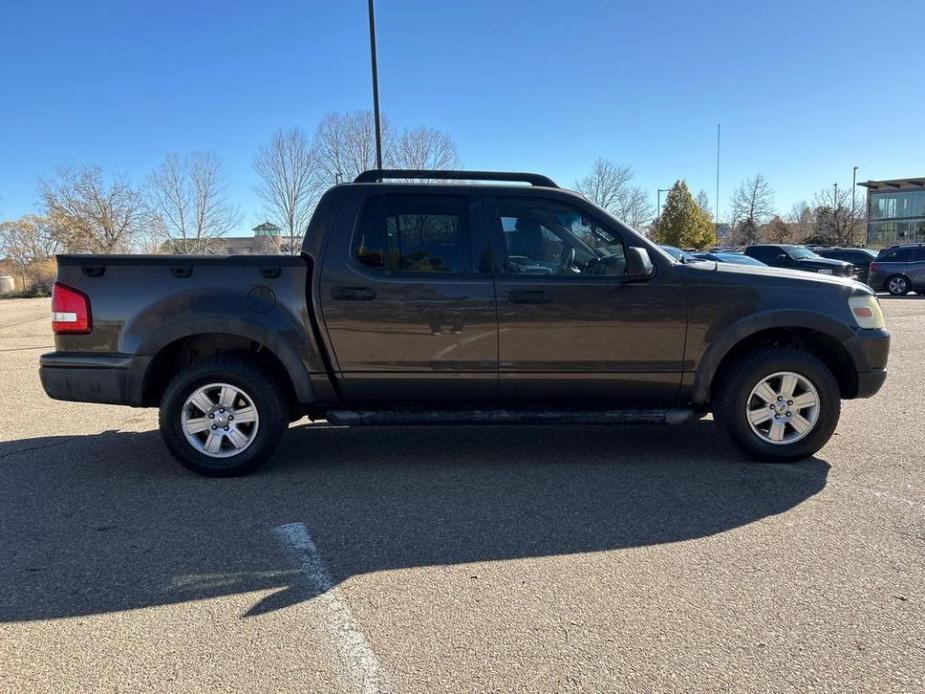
[(460, 302)]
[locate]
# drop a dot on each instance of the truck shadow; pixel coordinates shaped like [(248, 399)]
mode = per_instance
[(109, 522)]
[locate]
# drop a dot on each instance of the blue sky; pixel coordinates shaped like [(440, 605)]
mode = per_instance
[(804, 90)]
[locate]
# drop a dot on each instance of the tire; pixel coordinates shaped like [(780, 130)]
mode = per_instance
[(249, 392), (897, 285), (737, 395)]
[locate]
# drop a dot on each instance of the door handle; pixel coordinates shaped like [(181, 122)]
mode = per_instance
[(353, 293), (530, 296)]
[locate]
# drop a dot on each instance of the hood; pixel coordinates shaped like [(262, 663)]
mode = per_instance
[(770, 277), (823, 263)]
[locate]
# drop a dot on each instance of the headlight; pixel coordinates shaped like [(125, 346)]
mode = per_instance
[(866, 311)]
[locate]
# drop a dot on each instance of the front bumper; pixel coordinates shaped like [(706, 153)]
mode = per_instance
[(113, 379), (869, 351)]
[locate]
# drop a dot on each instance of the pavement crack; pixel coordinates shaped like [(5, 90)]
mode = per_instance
[(19, 451)]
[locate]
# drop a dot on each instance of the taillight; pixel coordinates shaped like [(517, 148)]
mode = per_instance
[(874, 266), (70, 310)]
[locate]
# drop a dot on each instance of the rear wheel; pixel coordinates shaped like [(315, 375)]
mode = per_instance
[(223, 417), (778, 405), (898, 285)]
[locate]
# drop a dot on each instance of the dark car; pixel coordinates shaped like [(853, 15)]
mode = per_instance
[(735, 258), (450, 303), (899, 270), (799, 258), (861, 258)]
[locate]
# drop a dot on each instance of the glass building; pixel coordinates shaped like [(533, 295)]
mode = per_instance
[(895, 211)]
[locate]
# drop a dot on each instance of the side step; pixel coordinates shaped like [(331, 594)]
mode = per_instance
[(418, 417)]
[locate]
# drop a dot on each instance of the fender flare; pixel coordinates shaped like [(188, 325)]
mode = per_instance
[(734, 334), (156, 340)]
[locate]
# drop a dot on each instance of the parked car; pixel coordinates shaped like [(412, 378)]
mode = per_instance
[(420, 303), (799, 258), (899, 269), (735, 258), (861, 258)]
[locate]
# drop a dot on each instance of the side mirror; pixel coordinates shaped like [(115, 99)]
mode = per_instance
[(638, 264)]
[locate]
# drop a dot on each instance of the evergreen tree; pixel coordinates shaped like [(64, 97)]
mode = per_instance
[(683, 223)]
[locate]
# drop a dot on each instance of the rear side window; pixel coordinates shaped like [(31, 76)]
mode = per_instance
[(415, 234), (897, 255), (765, 254)]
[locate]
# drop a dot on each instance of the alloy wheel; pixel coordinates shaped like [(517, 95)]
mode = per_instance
[(219, 420), (783, 408)]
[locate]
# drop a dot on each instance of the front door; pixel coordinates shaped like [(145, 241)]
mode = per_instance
[(409, 302), (571, 327)]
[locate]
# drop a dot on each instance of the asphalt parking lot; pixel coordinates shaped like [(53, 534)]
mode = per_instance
[(460, 559)]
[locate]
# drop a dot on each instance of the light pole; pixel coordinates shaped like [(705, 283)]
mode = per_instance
[(658, 206), (372, 57), (854, 185)]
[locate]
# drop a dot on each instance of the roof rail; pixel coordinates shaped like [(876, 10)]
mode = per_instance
[(379, 175)]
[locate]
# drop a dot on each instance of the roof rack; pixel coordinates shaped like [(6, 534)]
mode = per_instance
[(379, 175)]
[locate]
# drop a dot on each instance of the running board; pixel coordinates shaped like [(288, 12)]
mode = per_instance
[(418, 417)]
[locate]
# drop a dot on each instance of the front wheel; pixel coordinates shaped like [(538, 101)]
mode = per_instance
[(778, 405), (223, 417)]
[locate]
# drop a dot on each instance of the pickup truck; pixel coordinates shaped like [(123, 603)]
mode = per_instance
[(800, 258), (457, 297)]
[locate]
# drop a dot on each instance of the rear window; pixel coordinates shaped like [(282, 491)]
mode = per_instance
[(415, 234)]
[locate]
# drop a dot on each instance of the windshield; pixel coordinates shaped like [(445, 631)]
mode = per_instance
[(738, 259), (678, 254), (800, 253)]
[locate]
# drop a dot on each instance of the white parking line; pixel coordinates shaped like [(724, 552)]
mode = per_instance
[(360, 664)]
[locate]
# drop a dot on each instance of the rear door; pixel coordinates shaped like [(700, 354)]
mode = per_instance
[(571, 328), (916, 269), (407, 295)]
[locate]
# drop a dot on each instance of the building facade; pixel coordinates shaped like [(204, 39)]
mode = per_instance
[(895, 211)]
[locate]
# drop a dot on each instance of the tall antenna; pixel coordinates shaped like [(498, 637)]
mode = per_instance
[(717, 173), (372, 57)]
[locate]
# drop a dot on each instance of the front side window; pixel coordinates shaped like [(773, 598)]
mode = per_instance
[(544, 237), (415, 234)]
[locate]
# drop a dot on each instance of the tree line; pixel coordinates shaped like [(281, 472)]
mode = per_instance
[(834, 218), (183, 205)]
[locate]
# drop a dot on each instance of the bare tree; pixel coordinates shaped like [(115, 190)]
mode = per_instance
[(703, 202), (188, 202), (635, 208), (424, 148), (345, 146), (90, 215), (751, 205), (27, 241), (285, 168), (836, 221), (608, 186), (800, 219)]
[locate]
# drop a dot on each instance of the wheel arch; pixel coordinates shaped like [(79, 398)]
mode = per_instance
[(813, 332), (193, 346)]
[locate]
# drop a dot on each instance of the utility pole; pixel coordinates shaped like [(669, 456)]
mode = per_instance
[(716, 210), (372, 56)]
